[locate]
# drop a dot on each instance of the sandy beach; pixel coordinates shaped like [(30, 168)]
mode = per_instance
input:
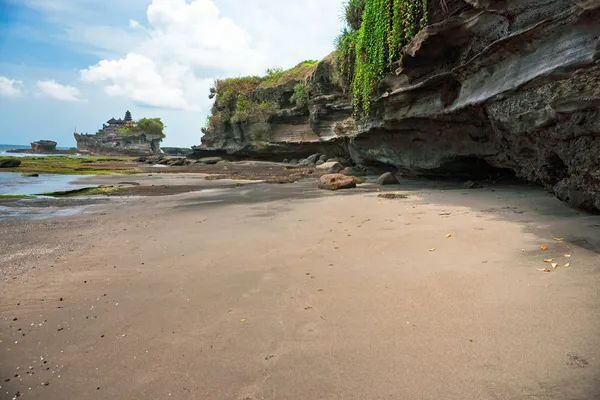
[(287, 292)]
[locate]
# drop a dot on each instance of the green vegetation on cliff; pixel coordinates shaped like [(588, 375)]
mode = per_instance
[(376, 32), (151, 126), (236, 101), (75, 165)]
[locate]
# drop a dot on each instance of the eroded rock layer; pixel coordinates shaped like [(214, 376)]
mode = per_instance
[(126, 144), (511, 84)]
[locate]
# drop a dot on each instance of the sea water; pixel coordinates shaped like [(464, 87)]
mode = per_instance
[(12, 183), (5, 147)]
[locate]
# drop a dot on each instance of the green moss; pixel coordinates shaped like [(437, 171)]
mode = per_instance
[(90, 165), (13, 196), (85, 191)]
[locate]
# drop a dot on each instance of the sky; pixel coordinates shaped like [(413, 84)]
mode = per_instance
[(71, 65)]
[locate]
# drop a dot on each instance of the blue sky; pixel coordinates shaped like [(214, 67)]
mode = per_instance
[(73, 64)]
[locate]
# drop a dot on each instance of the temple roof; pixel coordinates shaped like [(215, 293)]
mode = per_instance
[(114, 121)]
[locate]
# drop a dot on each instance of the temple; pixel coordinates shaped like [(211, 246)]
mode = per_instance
[(114, 125), (121, 137)]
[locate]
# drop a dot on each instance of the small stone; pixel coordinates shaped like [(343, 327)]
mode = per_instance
[(313, 159), (353, 171), (387, 179), (472, 185), (330, 167)]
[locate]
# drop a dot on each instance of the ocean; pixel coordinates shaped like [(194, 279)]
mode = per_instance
[(4, 147), (12, 183)]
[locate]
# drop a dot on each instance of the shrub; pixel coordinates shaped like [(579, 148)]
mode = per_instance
[(152, 126), (300, 96)]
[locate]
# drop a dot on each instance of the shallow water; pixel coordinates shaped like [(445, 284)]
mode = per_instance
[(12, 183), (5, 147)]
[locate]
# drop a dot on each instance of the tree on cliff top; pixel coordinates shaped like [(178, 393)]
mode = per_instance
[(152, 126)]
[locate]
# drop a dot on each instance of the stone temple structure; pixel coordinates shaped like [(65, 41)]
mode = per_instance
[(120, 137)]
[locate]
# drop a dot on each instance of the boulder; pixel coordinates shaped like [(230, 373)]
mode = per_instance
[(285, 161), (142, 159), (154, 159), (337, 182), (30, 174), (353, 171), (330, 167), (472, 185), (43, 146), (333, 160), (10, 163), (323, 158), (210, 160), (177, 162), (387, 179), (314, 158), (320, 162), (293, 162)]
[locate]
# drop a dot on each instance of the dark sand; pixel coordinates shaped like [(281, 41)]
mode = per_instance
[(287, 292)]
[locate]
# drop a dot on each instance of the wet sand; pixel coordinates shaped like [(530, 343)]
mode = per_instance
[(287, 292)]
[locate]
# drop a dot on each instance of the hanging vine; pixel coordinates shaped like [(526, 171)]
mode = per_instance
[(385, 28)]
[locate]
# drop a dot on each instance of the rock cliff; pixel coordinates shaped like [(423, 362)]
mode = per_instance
[(488, 85), (126, 144), (291, 114)]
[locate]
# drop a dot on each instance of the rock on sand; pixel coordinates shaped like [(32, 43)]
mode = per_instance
[(337, 182)]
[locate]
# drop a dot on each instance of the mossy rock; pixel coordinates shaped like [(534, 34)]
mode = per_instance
[(30, 174)]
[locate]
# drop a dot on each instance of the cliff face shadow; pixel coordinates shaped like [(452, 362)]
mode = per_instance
[(536, 210), (529, 205)]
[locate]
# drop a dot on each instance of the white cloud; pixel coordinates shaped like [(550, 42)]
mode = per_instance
[(57, 91), (10, 87), (139, 78), (187, 42)]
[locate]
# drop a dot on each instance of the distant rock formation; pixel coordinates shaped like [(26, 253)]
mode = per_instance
[(43, 147), (177, 151), (124, 137), (487, 87)]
